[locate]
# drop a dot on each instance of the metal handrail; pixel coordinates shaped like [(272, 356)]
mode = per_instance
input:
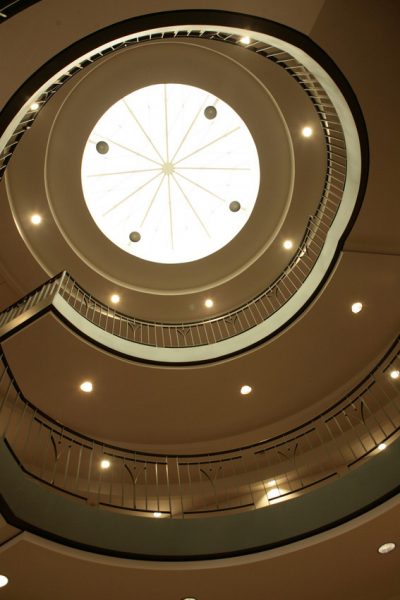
[(177, 485), (155, 333), (277, 294), (9, 8)]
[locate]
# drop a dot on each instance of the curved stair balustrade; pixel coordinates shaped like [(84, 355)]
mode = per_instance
[(23, 116), (355, 428), (149, 341), (9, 8), (342, 125)]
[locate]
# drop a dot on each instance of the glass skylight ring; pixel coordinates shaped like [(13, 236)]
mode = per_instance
[(163, 171)]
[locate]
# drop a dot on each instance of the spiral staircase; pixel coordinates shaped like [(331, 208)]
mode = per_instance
[(165, 479)]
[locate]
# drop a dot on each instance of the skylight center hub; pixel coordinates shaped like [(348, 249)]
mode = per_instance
[(168, 168)]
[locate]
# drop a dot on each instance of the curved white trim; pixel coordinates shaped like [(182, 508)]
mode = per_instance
[(217, 563)]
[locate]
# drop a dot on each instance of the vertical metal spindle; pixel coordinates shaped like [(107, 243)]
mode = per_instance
[(168, 485), (145, 486), (11, 413), (78, 468), (157, 490), (179, 486), (91, 452), (113, 467), (70, 445)]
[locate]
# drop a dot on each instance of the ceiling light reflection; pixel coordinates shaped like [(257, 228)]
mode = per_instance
[(395, 374), (274, 493), (3, 581), (115, 298), (307, 132), (209, 303), (105, 464)]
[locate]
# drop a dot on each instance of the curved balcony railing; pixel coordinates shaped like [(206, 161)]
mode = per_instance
[(355, 428), (152, 333), (330, 121), (311, 257), (9, 8)]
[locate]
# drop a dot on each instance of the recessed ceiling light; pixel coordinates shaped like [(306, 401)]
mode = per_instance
[(86, 386), (272, 483), (209, 303), (115, 298), (189, 598), (245, 389), (36, 219), (395, 374), (288, 244), (34, 106), (105, 463), (382, 446), (307, 132), (356, 307), (274, 493), (386, 548), (245, 39), (3, 580), (157, 514)]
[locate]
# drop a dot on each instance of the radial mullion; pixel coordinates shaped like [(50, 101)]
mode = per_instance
[(131, 194), (123, 172), (170, 212), (214, 168), (189, 129), (218, 139), (152, 200), (166, 122), (202, 188), (131, 150), (142, 129), (191, 206)]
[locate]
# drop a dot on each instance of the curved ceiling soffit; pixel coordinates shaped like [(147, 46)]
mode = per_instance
[(297, 45)]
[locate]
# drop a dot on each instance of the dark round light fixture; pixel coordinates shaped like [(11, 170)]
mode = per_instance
[(234, 206), (210, 112), (134, 236), (102, 147)]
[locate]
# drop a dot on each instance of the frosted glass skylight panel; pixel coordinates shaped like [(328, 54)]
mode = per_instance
[(170, 173)]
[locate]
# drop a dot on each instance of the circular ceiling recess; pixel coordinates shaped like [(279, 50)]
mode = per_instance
[(170, 173)]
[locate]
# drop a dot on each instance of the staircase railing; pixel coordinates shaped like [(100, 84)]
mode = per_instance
[(358, 426)]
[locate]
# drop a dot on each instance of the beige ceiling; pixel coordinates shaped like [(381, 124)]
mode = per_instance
[(345, 566), (315, 357)]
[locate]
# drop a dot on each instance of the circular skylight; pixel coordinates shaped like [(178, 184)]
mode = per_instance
[(170, 173)]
